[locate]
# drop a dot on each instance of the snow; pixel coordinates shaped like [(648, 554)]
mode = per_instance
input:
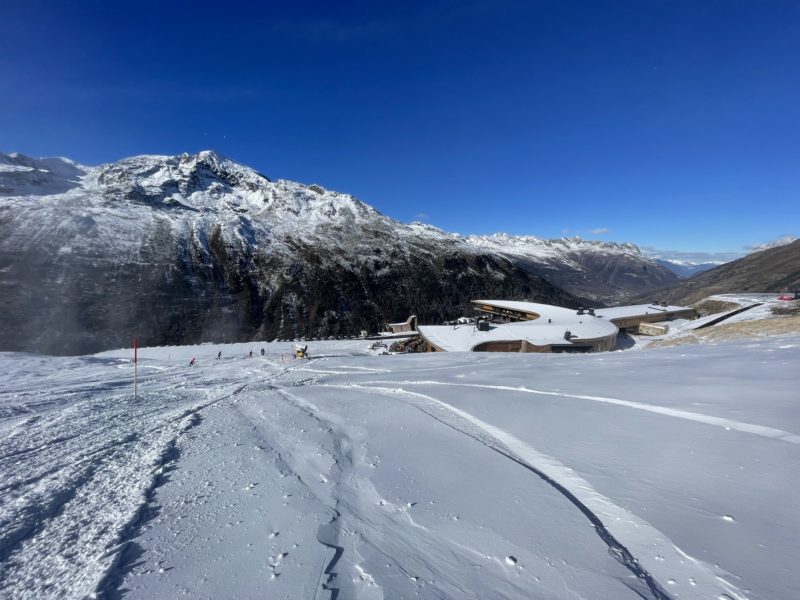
[(568, 316), (463, 338), (25, 176), (534, 247), (766, 303), (690, 263), (668, 473), (636, 310), (12, 168), (759, 307), (548, 328), (109, 209), (781, 241)]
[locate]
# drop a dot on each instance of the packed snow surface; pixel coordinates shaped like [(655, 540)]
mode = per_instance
[(670, 473)]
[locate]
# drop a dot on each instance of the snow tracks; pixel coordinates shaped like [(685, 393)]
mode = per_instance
[(74, 483), (644, 550)]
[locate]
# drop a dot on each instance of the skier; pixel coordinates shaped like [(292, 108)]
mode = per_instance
[(219, 355), (262, 352), (191, 362), (251, 354)]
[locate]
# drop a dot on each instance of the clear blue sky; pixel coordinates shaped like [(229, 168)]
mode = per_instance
[(671, 124)]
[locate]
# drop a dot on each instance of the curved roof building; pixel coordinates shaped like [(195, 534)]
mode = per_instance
[(537, 328)]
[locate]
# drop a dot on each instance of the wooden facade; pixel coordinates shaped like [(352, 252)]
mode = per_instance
[(508, 314), (406, 326), (510, 346)]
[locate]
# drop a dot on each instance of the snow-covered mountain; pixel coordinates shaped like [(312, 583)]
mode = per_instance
[(686, 269), (687, 263), (192, 247), (776, 243), (602, 271)]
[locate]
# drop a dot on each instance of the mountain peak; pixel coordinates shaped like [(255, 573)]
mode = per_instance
[(22, 175), (213, 154), (781, 241), (203, 180), (212, 160), (197, 245)]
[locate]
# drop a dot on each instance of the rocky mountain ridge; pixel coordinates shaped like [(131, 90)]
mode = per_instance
[(193, 247), (604, 272)]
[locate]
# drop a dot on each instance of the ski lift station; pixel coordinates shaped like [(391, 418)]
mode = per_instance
[(510, 326)]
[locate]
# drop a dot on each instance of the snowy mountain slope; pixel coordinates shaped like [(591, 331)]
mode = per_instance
[(606, 272), (432, 476), (192, 247), (781, 241), (554, 249), (24, 176), (198, 247)]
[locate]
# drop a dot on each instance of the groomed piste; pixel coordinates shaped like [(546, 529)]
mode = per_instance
[(663, 474)]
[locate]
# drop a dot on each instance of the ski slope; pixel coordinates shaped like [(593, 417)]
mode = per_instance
[(669, 473)]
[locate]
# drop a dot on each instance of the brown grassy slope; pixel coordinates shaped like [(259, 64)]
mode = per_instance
[(773, 270), (733, 331), (713, 307)]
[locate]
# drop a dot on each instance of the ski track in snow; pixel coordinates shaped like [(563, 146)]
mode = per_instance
[(81, 462), (328, 533), (619, 529), (727, 424), (363, 518), (80, 481)]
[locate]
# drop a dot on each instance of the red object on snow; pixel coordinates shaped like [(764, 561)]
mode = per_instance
[(786, 297)]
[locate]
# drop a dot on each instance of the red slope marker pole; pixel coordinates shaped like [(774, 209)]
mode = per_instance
[(135, 364)]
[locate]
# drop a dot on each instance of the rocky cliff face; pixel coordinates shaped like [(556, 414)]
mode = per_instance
[(197, 247), (604, 272), (182, 249)]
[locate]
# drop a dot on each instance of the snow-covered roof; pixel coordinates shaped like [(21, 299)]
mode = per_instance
[(548, 311), (637, 310), (547, 330), (616, 312)]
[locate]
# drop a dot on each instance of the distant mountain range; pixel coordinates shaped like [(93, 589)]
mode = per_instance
[(685, 269), (688, 264), (776, 269), (180, 249), (603, 272)]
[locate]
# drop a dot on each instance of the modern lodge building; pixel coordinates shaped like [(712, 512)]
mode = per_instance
[(510, 326)]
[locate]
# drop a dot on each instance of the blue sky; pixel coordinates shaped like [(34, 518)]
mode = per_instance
[(674, 125)]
